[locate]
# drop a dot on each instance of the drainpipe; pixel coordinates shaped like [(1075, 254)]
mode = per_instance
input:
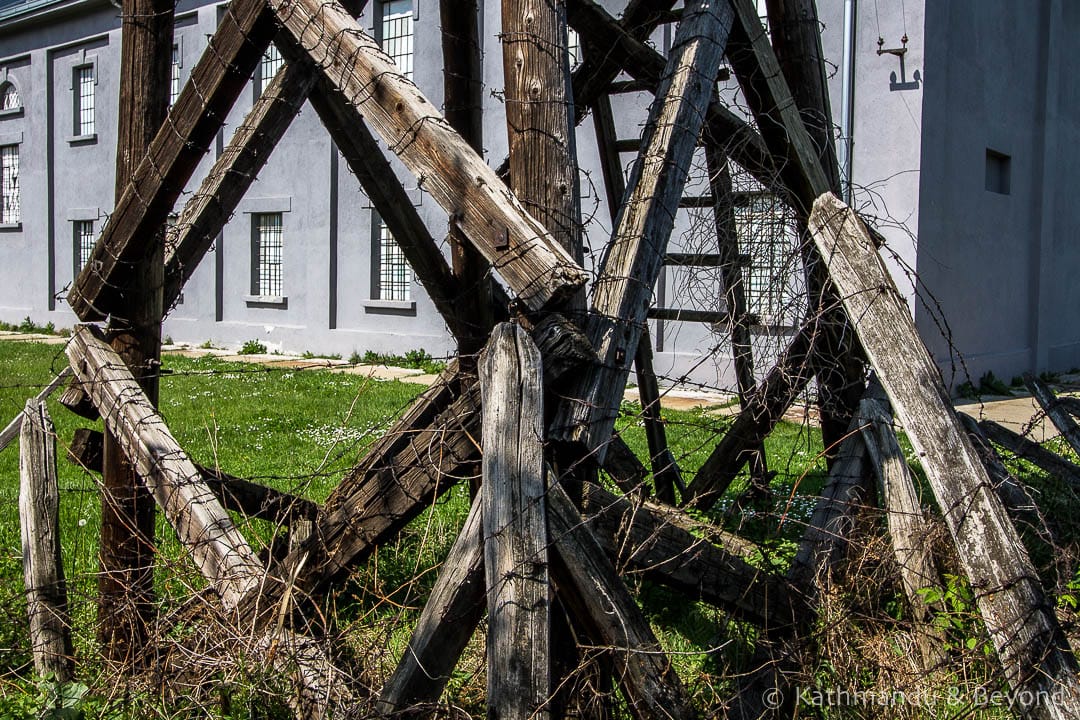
[(847, 100)]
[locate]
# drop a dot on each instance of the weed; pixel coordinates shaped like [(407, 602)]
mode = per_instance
[(991, 385), (252, 347), (416, 359), (308, 355)]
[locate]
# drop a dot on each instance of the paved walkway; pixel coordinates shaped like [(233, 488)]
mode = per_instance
[(1016, 412)]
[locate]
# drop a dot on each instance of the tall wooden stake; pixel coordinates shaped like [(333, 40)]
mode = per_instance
[(126, 584)]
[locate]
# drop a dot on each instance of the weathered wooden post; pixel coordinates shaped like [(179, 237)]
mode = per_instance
[(43, 569), (126, 584), (515, 527)]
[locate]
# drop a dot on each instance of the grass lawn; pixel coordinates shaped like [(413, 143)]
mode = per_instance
[(298, 431)]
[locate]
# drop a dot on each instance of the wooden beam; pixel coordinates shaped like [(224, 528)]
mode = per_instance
[(220, 192), (622, 292), (665, 469), (216, 545), (1033, 452), (1019, 617), (1054, 410), (612, 42), (536, 268), (11, 430), (647, 539), (589, 584), (450, 616), (515, 527), (216, 81), (126, 606), (43, 567), (1012, 493)]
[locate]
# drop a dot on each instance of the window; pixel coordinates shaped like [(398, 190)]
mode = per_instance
[(998, 172), (573, 47), (174, 77), (271, 63), (765, 228), (266, 255), (395, 32), (394, 274), (83, 232), (9, 97), (84, 100), (9, 185)]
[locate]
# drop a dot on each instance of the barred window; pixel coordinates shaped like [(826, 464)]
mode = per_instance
[(83, 231), (9, 185), (9, 97), (395, 275), (85, 101), (267, 255), (573, 47), (174, 78), (395, 32), (268, 67)]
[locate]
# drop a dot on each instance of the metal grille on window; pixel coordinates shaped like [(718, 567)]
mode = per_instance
[(9, 97), (766, 229), (395, 275), (397, 33), (271, 63), (84, 240), (85, 116), (9, 184), (268, 233), (174, 78)]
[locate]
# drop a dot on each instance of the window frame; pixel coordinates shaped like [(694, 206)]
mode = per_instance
[(404, 301), (10, 222), (379, 29), (77, 98), (271, 58), (77, 238), (7, 83), (260, 294)]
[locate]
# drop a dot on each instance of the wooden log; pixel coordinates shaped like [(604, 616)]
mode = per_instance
[(536, 268), (646, 539), (1019, 618), (623, 466), (11, 430), (78, 402), (463, 102), (450, 616), (909, 528), (665, 469), (515, 527), (198, 113), (1054, 410), (126, 606), (43, 567), (1012, 493), (1070, 403), (236, 494), (1033, 452), (632, 260), (588, 583), (211, 206), (218, 548), (612, 42)]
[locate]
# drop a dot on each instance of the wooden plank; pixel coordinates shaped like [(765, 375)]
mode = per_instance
[(216, 81), (632, 260), (515, 527), (450, 616), (665, 469), (1033, 452), (217, 547), (1054, 410), (612, 41), (648, 539), (537, 268), (909, 527), (1011, 491), (1019, 618), (220, 192), (588, 583), (11, 430), (43, 567)]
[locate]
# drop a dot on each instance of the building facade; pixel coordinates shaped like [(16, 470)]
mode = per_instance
[(954, 129)]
